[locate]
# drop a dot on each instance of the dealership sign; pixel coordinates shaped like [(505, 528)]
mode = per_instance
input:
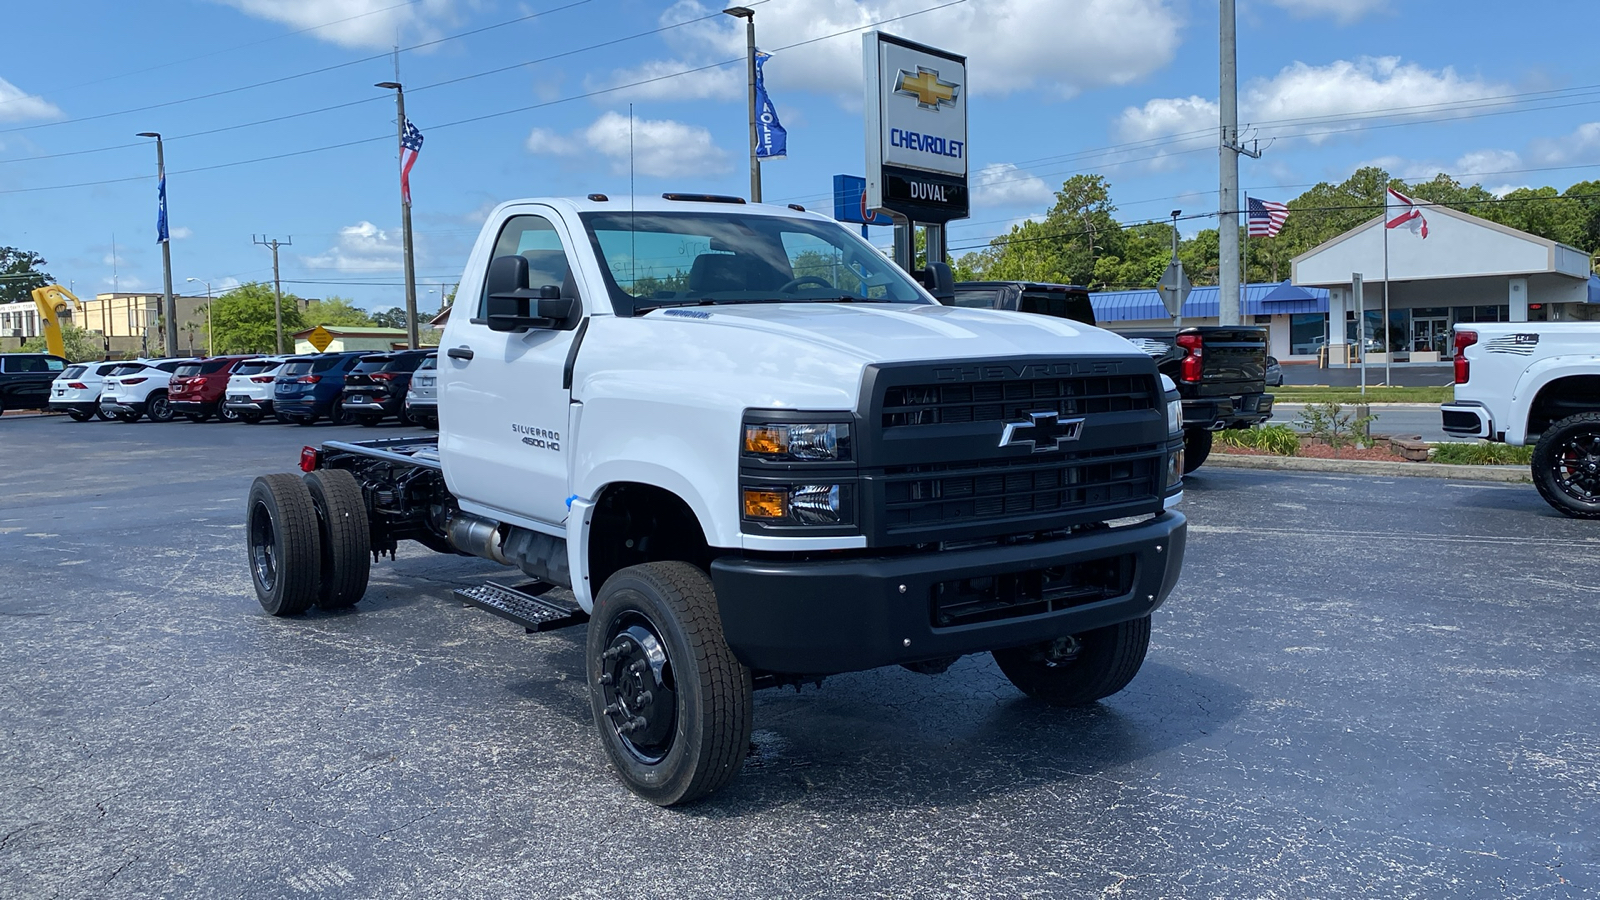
[(916, 106)]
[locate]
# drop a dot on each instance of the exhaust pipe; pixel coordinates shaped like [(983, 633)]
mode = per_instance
[(475, 536)]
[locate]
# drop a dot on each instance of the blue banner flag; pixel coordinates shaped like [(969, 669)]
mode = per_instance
[(161, 211), (772, 141)]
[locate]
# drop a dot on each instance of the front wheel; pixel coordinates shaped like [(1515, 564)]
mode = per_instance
[(670, 700), (1196, 447), (1078, 670), (1566, 466)]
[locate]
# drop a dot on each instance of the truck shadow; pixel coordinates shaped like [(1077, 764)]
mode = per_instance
[(895, 740)]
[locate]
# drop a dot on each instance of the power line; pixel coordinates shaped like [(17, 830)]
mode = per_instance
[(283, 78)]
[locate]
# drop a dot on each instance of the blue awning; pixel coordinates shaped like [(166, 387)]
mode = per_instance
[(1259, 300), (1594, 289)]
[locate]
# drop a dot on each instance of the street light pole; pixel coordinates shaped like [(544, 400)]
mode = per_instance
[(211, 341), (166, 247), (405, 216), (749, 17)]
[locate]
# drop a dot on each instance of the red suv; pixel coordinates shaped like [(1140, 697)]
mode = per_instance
[(197, 388)]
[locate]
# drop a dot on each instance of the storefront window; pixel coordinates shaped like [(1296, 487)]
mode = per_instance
[(1307, 332)]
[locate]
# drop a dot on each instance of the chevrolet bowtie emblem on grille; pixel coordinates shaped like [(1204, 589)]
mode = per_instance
[(931, 93), (1044, 431)]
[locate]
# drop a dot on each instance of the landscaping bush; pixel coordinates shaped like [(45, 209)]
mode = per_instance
[(1330, 424), (1482, 454), (1280, 440)]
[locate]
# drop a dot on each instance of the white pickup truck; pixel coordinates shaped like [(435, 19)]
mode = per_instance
[(1535, 383), (757, 453)]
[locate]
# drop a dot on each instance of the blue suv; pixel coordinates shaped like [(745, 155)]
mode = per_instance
[(308, 387)]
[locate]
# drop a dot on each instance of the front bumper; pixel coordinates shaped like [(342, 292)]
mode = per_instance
[(1218, 413), (825, 616), (1466, 419)]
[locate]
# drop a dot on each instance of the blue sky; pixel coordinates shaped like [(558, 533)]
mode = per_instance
[(1507, 96)]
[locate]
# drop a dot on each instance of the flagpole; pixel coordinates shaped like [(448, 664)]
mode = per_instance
[(1388, 376), (405, 216)]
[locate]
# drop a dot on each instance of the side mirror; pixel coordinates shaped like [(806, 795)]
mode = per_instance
[(512, 306), (939, 281)]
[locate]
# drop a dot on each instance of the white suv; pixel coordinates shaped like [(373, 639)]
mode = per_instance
[(138, 388), (76, 391), (249, 390)]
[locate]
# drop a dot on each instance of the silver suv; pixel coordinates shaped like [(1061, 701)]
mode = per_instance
[(422, 398)]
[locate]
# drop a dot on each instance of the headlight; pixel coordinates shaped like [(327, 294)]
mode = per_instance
[(1174, 405), (799, 504), (1175, 468), (782, 441)]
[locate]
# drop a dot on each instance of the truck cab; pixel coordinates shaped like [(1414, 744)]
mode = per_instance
[(758, 453)]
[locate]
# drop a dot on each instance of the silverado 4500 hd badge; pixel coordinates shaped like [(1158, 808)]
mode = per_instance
[(542, 438)]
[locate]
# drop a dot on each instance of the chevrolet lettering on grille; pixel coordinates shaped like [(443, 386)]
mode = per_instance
[(1042, 432)]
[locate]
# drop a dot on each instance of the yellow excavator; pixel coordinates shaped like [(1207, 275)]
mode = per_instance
[(52, 300)]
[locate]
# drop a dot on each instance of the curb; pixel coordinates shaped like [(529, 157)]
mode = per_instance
[(1503, 474), (1381, 404)]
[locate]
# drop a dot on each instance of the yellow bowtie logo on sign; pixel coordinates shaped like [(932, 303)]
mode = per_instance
[(931, 93)]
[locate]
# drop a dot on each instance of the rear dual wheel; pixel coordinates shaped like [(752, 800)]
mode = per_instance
[(308, 541)]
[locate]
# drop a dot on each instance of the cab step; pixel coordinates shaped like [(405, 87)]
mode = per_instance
[(524, 605)]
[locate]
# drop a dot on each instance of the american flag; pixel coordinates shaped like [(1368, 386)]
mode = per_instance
[(1266, 218), (410, 148)]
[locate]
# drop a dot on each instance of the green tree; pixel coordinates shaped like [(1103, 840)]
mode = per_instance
[(336, 311), (242, 320), (393, 317), (20, 272), (81, 344)]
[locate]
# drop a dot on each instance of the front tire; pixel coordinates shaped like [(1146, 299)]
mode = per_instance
[(671, 702), (1079, 670), (1566, 466), (1196, 447), (283, 543), (345, 537)]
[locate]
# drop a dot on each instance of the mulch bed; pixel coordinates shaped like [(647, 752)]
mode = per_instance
[(1319, 450)]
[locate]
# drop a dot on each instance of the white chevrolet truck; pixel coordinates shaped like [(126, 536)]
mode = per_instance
[(1535, 383), (756, 453)]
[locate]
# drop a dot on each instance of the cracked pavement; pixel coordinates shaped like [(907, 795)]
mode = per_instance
[(1359, 689)]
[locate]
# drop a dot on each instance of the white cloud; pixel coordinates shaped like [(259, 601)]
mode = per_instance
[(180, 232), (351, 23), (1582, 145), (1486, 162), (363, 247), (661, 148), (1469, 167), (16, 105), (1368, 86), (1013, 45), (1003, 184), (1342, 11)]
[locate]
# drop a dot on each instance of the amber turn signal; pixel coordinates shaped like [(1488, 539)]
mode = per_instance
[(759, 504), (768, 439)]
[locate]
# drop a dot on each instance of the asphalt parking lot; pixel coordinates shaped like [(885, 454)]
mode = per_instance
[(1360, 689)]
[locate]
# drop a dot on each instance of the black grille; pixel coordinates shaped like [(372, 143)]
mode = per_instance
[(1012, 595), (950, 404), (931, 496)]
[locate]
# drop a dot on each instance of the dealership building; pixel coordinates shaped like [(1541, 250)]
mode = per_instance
[(1466, 269)]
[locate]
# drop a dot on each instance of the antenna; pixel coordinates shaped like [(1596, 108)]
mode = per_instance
[(633, 235)]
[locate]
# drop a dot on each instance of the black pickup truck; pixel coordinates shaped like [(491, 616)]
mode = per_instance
[(1220, 370)]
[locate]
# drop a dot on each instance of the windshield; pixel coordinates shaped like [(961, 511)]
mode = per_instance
[(658, 259)]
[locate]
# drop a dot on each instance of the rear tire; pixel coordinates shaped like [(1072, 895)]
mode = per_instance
[(1079, 670), (101, 414), (283, 544), (1196, 447), (159, 409), (368, 420), (671, 702), (196, 418), (127, 417), (78, 415), (227, 415), (250, 418), (337, 415), (345, 537), (1566, 466), (304, 420)]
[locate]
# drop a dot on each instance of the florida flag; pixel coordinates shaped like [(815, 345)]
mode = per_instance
[(1409, 214), (410, 148)]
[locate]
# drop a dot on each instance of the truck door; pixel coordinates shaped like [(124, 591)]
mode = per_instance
[(503, 407)]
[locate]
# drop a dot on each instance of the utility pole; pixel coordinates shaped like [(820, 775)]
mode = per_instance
[(1228, 151), (277, 286), (405, 212), (166, 246), (749, 17)]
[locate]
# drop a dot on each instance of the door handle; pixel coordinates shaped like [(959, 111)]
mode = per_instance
[(462, 353)]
